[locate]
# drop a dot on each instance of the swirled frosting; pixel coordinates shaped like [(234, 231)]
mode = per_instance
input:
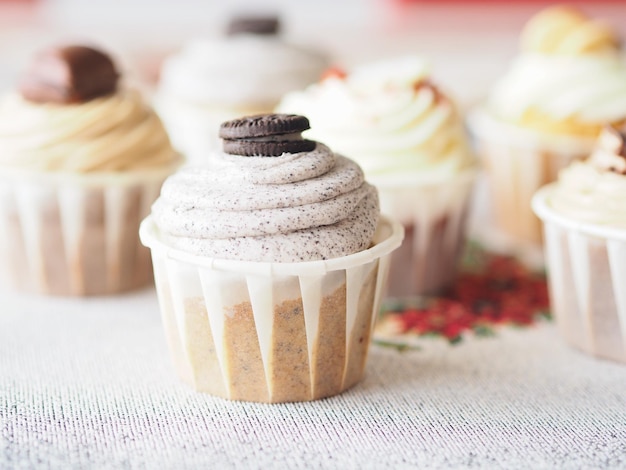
[(563, 30), (295, 207), (569, 79), (211, 81), (115, 133), (389, 118), (594, 190), (244, 71)]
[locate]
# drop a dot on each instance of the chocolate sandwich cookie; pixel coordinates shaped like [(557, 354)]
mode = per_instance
[(266, 135), (67, 75), (261, 25)]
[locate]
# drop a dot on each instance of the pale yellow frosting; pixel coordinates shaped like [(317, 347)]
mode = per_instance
[(565, 30), (115, 133), (569, 79)]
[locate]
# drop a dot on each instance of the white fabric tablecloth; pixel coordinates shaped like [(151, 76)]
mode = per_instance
[(89, 384)]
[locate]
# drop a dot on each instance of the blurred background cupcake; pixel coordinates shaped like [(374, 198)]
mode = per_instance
[(584, 219), (243, 73), (568, 81), (270, 263), (409, 139), (82, 158)]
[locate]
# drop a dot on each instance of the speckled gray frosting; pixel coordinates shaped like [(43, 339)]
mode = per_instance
[(296, 207)]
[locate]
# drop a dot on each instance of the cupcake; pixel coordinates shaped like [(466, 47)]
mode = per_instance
[(81, 161), (567, 83), (585, 240), (409, 139), (245, 72), (269, 264)]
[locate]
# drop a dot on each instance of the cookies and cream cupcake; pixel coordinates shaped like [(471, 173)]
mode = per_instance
[(567, 83), (242, 73), (269, 263), (82, 159), (585, 232), (408, 137)]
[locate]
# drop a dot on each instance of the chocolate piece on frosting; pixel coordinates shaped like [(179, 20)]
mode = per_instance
[(67, 75), (268, 135), (260, 25), (610, 151)]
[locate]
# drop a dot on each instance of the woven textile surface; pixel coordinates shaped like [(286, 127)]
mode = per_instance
[(89, 384)]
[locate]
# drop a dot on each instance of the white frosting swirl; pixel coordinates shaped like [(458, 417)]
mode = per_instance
[(114, 133), (588, 194), (589, 88), (244, 71), (297, 207), (593, 191), (389, 118)]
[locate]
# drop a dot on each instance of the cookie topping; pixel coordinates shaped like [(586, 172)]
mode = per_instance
[(610, 151), (259, 25), (268, 135), (69, 75)]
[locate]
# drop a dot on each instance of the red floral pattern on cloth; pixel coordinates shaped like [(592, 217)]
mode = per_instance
[(491, 290)]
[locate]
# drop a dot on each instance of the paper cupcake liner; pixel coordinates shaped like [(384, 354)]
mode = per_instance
[(270, 332), (518, 163), (75, 235), (587, 279), (434, 218)]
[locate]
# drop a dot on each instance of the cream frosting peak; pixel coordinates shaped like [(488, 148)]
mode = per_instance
[(609, 153), (565, 30), (594, 191), (115, 133), (244, 71), (569, 79), (296, 207), (389, 118)]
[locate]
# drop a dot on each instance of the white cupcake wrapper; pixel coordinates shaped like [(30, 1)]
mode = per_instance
[(75, 234), (270, 332), (519, 162), (587, 278), (434, 217)]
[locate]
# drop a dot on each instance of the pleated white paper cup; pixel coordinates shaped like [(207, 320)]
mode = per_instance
[(75, 235), (518, 162), (434, 217), (270, 332), (587, 279)]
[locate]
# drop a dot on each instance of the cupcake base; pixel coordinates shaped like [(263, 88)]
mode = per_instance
[(75, 235), (587, 280), (434, 218), (519, 162), (271, 332)]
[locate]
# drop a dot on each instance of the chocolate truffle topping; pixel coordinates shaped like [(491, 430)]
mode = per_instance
[(68, 75), (260, 25)]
